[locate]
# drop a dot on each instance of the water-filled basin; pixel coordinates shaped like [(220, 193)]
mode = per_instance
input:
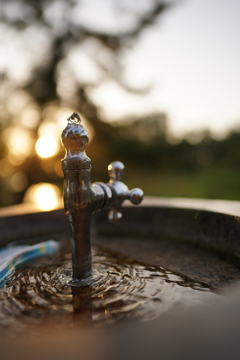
[(180, 244)]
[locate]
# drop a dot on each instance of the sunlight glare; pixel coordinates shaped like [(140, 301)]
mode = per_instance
[(18, 141), (46, 146), (44, 195)]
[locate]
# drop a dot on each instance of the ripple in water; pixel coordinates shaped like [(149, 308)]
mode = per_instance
[(40, 294)]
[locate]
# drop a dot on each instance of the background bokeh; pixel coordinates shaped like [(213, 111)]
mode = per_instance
[(94, 57)]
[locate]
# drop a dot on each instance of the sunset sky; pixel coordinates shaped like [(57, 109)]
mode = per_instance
[(192, 57)]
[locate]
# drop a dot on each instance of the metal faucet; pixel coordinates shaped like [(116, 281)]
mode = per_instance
[(82, 199)]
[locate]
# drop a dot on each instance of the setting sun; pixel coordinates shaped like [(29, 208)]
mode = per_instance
[(46, 146)]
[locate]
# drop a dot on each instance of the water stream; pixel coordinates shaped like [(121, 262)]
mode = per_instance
[(39, 295)]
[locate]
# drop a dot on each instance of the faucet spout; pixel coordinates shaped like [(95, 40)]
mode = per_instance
[(81, 198)]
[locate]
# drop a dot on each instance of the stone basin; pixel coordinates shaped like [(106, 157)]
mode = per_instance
[(199, 239)]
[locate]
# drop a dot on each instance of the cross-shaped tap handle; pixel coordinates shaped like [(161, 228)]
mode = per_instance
[(120, 191)]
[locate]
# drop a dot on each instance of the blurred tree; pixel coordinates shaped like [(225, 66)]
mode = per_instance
[(52, 35), (58, 26), (67, 49)]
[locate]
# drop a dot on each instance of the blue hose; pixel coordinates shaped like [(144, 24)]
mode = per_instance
[(12, 257)]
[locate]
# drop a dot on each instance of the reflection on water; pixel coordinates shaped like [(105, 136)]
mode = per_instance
[(39, 294)]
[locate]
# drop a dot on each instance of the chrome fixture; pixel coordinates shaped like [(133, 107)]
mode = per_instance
[(82, 199)]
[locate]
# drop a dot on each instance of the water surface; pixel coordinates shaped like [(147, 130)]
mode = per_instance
[(39, 295)]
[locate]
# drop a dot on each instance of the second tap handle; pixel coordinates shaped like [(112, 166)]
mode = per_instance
[(136, 196), (120, 191)]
